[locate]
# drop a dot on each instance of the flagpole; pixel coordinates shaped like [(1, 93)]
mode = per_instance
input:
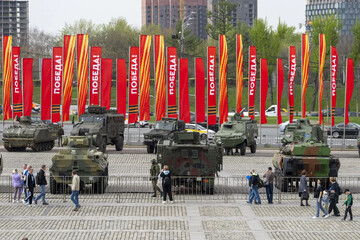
[(195, 93), (346, 82), (40, 78)]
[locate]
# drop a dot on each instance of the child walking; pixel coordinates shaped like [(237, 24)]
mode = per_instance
[(348, 203)]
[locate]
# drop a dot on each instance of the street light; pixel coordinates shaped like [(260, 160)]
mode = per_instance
[(186, 22)]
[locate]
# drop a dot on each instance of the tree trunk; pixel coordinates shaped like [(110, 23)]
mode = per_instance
[(316, 89)]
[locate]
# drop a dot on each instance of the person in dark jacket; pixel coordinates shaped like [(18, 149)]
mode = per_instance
[(165, 175), (348, 203), (154, 173), (303, 189), (336, 188), (30, 185), (333, 196), (269, 184), (42, 182), (254, 188), (318, 195)]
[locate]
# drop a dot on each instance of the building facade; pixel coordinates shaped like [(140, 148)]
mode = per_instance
[(346, 10)]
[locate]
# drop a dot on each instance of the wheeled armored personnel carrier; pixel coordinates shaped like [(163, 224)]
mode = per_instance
[(239, 133), (81, 155), (37, 136), (194, 161), (106, 125)]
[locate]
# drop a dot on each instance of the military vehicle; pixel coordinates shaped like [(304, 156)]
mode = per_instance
[(1, 163), (312, 156), (239, 133), (106, 125), (303, 131), (81, 155), (358, 144), (195, 161), (37, 136), (162, 130)]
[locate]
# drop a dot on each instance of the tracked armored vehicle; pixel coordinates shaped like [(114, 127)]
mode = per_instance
[(106, 125), (81, 155), (37, 136), (193, 161)]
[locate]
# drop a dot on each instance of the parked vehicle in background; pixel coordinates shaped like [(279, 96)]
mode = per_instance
[(284, 124), (137, 124), (351, 130), (272, 111), (201, 130)]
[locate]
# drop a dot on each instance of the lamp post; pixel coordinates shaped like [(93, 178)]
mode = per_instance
[(186, 22)]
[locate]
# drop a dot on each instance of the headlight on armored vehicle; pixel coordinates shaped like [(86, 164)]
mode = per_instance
[(146, 137), (159, 156)]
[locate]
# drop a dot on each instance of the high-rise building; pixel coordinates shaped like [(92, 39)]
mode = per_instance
[(345, 10), (15, 20)]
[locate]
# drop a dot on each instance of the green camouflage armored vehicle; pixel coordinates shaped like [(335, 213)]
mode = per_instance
[(358, 144), (194, 161), (106, 125), (303, 131), (37, 136), (162, 130), (238, 133), (314, 157), (1, 164), (81, 155)]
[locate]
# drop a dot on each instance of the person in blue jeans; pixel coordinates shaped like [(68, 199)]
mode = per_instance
[(75, 189), (255, 179), (269, 184), (41, 178), (318, 196)]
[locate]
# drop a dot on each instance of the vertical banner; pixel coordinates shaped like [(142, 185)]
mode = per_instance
[(252, 81), (349, 87), (95, 61), (160, 77), (46, 89), (16, 85), (7, 77), (305, 53), (145, 44), (28, 85), (292, 74), (82, 47), (121, 84), (223, 101), (211, 86), (184, 106), (69, 57), (280, 86), (56, 85), (334, 68), (200, 90), (322, 54), (106, 75), (171, 82), (133, 84), (239, 71), (264, 83)]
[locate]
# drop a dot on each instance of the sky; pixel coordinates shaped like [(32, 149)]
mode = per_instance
[(51, 16)]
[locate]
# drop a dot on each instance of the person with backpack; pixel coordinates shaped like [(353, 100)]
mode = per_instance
[(348, 203), (154, 173), (30, 185), (165, 175), (269, 184), (336, 191), (75, 190), (333, 196), (41, 180), (255, 182), (303, 189)]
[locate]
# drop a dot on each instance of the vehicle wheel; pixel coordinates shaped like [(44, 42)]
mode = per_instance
[(103, 145), (335, 134), (242, 149), (53, 189), (99, 186), (227, 151), (253, 148), (7, 147), (203, 136), (150, 149), (119, 143), (283, 185)]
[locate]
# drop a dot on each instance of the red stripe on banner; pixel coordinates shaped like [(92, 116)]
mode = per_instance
[(280, 86), (211, 86), (200, 90), (28, 85), (46, 89), (239, 71), (56, 84), (305, 52), (292, 74), (171, 82), (145, 44), (184, 105), (252, 81), (16, 86), (264, 81), (106, 74), (223, 101), (322, 55), (121, 86), (334, 69), (95, 70), (349, 87), (133, 85), (160, 82), (7, 113)]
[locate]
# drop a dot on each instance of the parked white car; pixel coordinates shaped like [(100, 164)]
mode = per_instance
[(272, 111), (200, 129)]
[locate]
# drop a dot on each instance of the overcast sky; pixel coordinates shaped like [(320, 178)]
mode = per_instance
[(51, 16)]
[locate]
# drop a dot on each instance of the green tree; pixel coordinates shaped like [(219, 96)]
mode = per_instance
[(82, 26), (355, 48)]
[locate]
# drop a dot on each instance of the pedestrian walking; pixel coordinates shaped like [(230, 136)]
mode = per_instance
[(269, 184), (348, 203), (249, 178), (255, 180), (318, 195), (165, 175), (41, 180), (303, 189), (75, 189), (326, 200), (336, 191), (17, 184), (23, 178), (30, 185), (154, 173)]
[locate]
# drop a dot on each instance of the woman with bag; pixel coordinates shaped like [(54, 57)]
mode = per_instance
[(303, 189)]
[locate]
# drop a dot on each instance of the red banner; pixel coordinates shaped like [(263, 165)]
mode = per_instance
[(160, 77), (83, 70), (69, 57), (184, 105), (106, 75), (292, 73), (16, 86), (28, 85), (56, 84), (334, 68), (95, 70), (252, 81), (133, 84), (211, 86), (171, 81), (223, 101), (239, 71), (264, 82), (305, 53), (322, 54), (7, 77), (280, 86), (349, 87), (145, 44), (200, 90), (121, 86), (46, 89)]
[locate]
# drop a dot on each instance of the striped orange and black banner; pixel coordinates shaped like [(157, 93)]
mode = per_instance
[(55, 108), (172, 109), (291, 110), (211, 110), (133, 109), (251, 111), (17, 107)]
